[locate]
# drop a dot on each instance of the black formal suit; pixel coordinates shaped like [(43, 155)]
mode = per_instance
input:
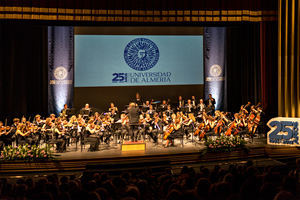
[(210, 104), (86, 113), (133, 116), (181, 104), (139, 102)]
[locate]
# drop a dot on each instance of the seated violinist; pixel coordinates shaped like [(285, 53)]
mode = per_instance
[(151, 111), (47, 130), (91, 136), (2, 134), (156, 128), (169, 111), (60, 137), (23, 134)]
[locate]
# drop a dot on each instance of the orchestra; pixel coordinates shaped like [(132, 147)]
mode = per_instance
[(146, 121)]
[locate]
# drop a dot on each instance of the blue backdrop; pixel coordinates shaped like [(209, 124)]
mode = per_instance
[(117, 60)]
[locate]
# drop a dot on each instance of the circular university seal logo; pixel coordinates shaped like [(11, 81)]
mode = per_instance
[(141, 54), (215, 70), (60, 73)]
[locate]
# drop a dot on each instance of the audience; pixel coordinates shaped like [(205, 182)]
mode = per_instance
[(235, 183)]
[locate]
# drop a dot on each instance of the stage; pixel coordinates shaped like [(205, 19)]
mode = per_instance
[(155, 157)]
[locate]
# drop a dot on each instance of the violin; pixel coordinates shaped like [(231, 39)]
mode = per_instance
[(80, 124), (141, 121), (5, 128)]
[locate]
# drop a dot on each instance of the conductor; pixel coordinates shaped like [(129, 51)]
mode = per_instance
[(133, 116)]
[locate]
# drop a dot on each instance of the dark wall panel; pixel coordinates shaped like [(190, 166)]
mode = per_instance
[(100, 97)]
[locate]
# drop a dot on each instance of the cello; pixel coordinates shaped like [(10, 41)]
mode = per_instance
[(168, 131)]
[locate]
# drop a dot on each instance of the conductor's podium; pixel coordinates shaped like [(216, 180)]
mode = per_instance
[(133, 146)]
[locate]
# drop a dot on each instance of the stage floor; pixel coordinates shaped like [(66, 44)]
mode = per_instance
[(111, 158), (114, 150)]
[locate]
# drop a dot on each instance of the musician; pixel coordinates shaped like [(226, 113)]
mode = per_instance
[(2, 135), (221, 121), (23, 120), (147, 126), (113, 108), (207, 125), (194, 101), (86, 111), (8, 133), (73, 128), (180, 105), (146, 106), (27, 134), (156, 128), (151, 111), (106, 124), (235, 126), (21, 133), (38, 121), (138, 99), (91, 136), (189, 107), (169, 111), (247, 107), (201, 107), (163, 107), (114, 115), (80, 119), (47, 130), (11, 134), (125, 129), (210, 104), (65, 111), (97, 118), (175, 129), (52, 118), (60, 137), (142, 127), (179, 115), (39, 124), (188, 124), (133, 116), (253, 120)]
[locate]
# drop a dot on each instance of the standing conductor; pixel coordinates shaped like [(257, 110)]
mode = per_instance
[(133, 116)]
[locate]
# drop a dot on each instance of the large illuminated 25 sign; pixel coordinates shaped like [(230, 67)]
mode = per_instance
[(284, 131)]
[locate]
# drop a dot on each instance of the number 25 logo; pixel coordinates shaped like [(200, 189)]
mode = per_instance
[(119, 78), (285, 132)]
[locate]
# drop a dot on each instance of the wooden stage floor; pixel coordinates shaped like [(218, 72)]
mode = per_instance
[(110, 157)]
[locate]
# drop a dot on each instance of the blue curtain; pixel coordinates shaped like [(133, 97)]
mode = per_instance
[(214, 64), (60, 67)]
